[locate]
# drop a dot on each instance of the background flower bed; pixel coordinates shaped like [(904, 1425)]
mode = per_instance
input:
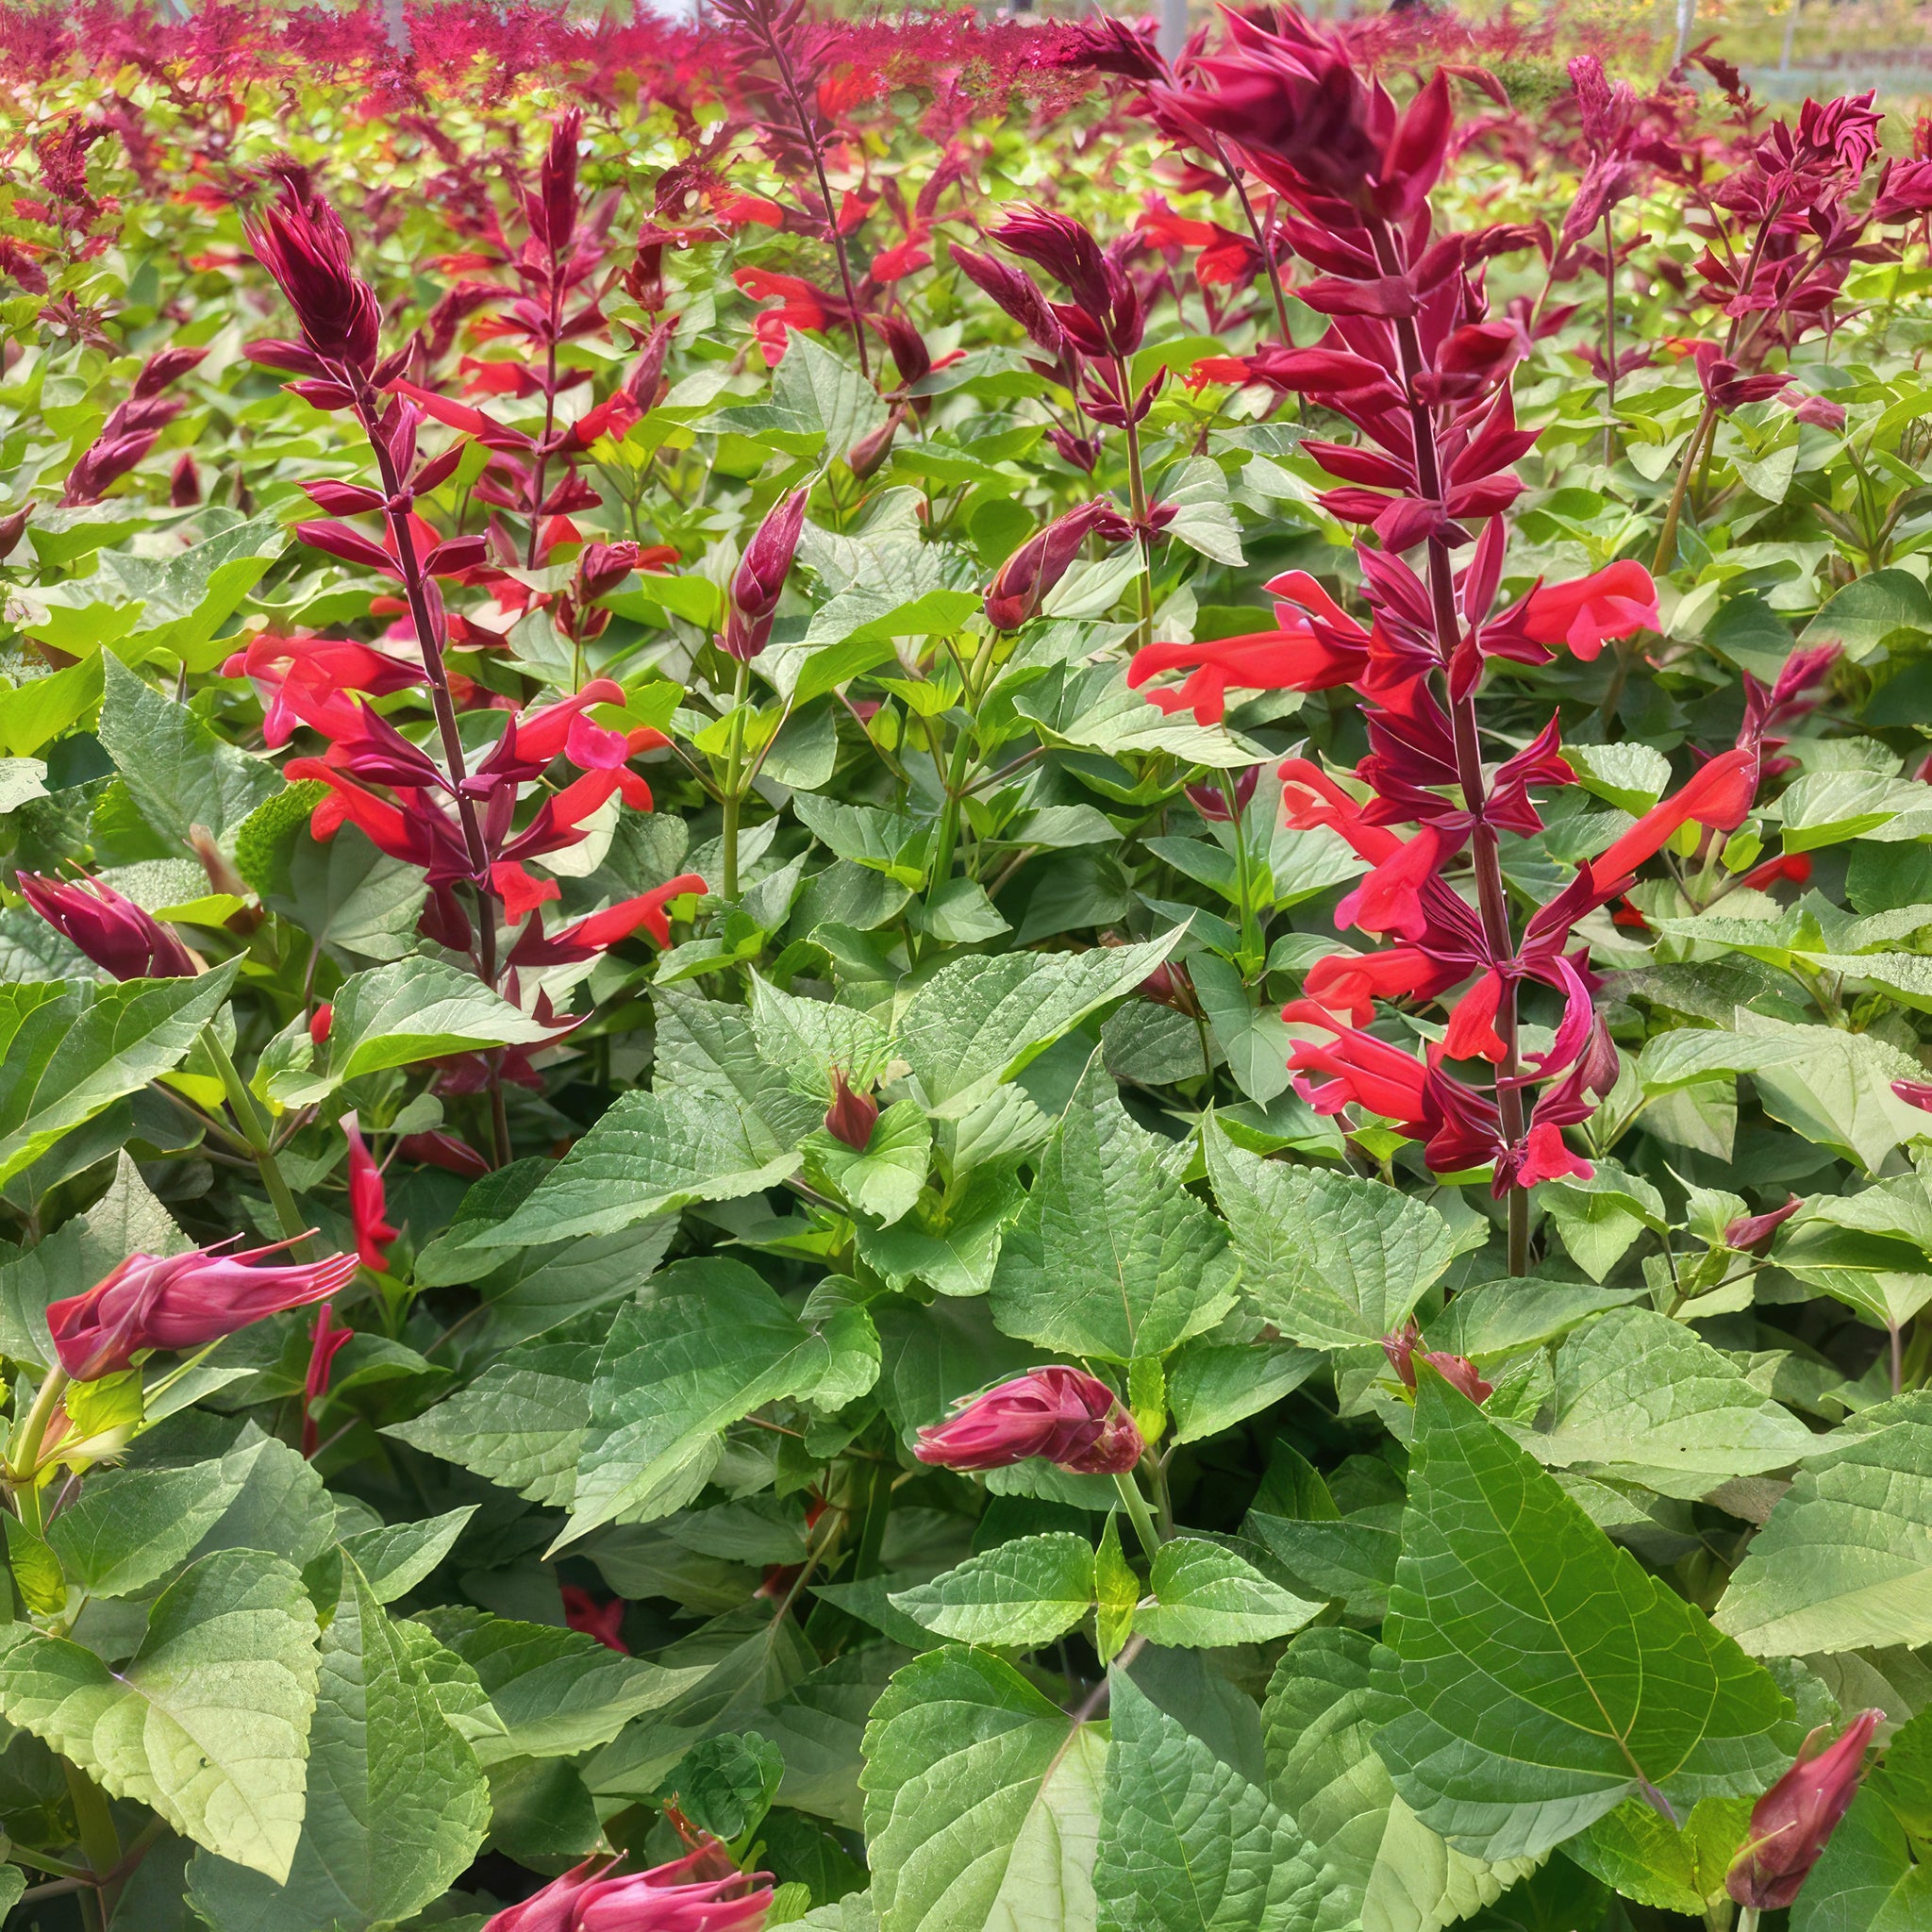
[(1408, 1091)]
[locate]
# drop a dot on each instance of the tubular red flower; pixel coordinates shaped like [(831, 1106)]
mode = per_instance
[(1792, 1824), (589, 937), (111, 930), (1718, 795), (1749, 1233), (1616, 602), (703, 1891), (368, 1200), (851, 1116), (760, 577), (183, 1301), (437, 1149), (1351, 983), (605, 1621), (1362, 1071), (326, 1341), (1064, 1415), (1457, 1370)]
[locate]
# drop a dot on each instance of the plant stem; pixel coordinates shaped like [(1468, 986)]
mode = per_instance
[(1747, 1919), (254, 1130), (734, 773), (1667, 536), (1138, 1512), (25, 1454), (1136, 495), (1485, 858), (1609, 339), (1250, 929), (100, 1843), (539, 474)]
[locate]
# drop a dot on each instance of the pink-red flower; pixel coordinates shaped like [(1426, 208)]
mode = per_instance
[(182, 1301), (1615, 602), (703, 1891), (1792, 1824), (1024, 581), (852, 1115), (760, 579), (367, 1202), (326, 1341), (602, 1620), (1457, 1370), (302, 242), (1065, 1415), (111, 930)]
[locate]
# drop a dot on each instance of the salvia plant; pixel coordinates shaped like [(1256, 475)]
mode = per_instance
[(954, 979)]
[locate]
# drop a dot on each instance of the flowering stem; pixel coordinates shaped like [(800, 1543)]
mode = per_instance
[(1261, 241), (1251, 928), (1667, 536), (1747, 1919), (1491, 900), (248, 1117), (1136, 496), (549, 413), (733, 773), (1138, 1512), (100, 1843), (1609, 339), (25, 1459)]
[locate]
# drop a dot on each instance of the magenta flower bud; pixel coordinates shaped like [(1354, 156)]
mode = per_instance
[(552, 211), (761, 578), (1211, 801), (112, 931), (1457, 1370), (300, 239), (1014, 292), (851, 1115), (1915, 1093), (703, 1891), (1792, 1823), (1065, 1415), (12, 529), (1749, 1232), (184, 1301), (602, 567), (1026, 581)]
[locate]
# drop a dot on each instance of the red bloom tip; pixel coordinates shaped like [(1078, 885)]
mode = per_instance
[(1457, 1370), (701, 1891), (320, 1022), (851, 1115), (179, 1302), (1616, 602), (1792, 1824), (112, 931), (367, 1202), (437, 1149), (760, 577), (1749, 1232), (1065, 1415), (605, 1621), (1024, 581), (302, 242)]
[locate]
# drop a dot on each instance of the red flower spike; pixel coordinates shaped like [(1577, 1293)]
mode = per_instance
[(182, 1302), (1792, 1824), (1064, 1415), (111, 930), (759, 580), (368, 1200), (300, 239)]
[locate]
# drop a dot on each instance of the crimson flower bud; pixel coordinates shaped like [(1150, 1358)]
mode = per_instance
[(1211, 801), (873, 448), (183, 482), (605, 1621), (300, 239), (1749, 1232), (437, 1149), (602, 567), (701, 1891), (1024, 581), (326, 1342), (184, 1301), (112, 931), (1169, 984), (1014, 292), (1794, 1822), (1067, 1416), (761, 578), (1457, 1370), (1915, 1093), (321, 1020), (851, 1115), (367, 1202), (554, 212), (12, 529)]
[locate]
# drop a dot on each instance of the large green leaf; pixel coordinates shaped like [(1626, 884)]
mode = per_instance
[(1203, 1596), (1025, 1593), (128, 1526), (977, 1021), (706, 1344), (982, 1802), (396, 1015), (556, 1691), (1332, 1260), (66, 1052), (1644, 1857), (1187, 1842), (177, 770), (1319, 1719), (1111, 1257), (1549, 1677), (208, 1722), (398, 1804), (1845, 1559), (1641, 1399)]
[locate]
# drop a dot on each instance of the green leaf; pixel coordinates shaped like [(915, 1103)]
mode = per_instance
[(884, 1177), (1641, 1399), (1319, 1723), (208, 1722), (1111, 1257), (1871, 1877), (706, 1343), (520, 1423), (177, 771), (981, 1801), (66, 1052), (1213, 1385), (556, 1691), (1845, 1559), (128, 1526), (1025, 1593), (1116, 1591), (1549, 1676), (1187, 1842), (1204, 1596), (1862, 616), (977, 1021), (397, 1805), (394, 1016), (1332, 1260), (1645, 1857), (391, 1558)]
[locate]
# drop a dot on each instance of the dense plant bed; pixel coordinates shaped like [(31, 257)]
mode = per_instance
[(952, 984)]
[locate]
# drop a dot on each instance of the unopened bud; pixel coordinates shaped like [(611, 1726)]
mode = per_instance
[(851, 1115)]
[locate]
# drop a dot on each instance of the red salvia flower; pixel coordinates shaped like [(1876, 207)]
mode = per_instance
[(110, 929), (1792, 1824), (1064, 1415)]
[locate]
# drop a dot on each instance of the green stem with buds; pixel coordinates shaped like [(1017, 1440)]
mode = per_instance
[(733, 774), (254, 1130)]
